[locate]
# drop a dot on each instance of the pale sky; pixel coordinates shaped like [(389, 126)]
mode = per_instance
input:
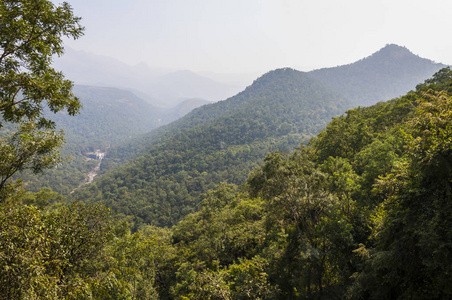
[(240, 36)]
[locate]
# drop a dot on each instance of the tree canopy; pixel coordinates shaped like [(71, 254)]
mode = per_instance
[(31, 33)]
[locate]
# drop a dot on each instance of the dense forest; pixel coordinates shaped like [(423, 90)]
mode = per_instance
[(175, 164), (361, 211), (220, 142), (219, 204)]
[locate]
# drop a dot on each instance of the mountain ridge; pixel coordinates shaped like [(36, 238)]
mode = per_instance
[(165, 88), (224, 140), (394, 71), (218, 142)]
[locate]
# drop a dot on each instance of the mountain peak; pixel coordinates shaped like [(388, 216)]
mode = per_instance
[(278, 75), (393, 51), (390, 72)]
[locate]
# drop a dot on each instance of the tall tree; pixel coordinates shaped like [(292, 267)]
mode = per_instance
[(31, 33)]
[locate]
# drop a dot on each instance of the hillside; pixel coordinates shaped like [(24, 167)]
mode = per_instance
[(109, 117), (388, 73), (360, 212), (217, 142)]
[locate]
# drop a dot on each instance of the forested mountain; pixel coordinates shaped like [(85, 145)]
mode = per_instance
[(109, 116), (221, 141), (390, 72), (217, 142), (362, 211)]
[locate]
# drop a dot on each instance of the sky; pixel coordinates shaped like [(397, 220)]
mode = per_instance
[(250, 36)]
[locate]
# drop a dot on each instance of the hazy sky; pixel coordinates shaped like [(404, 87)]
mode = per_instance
[(260, 35)]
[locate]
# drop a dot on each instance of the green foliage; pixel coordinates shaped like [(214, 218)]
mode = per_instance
[(301, 204), (31, 33), (27, 148), (229, 227), (416, 213), (365, 219), (50, 250), (109, 117), (220, 142)]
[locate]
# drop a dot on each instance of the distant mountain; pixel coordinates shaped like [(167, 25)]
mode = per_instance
[(97, 70), (386, 74), (176, 86), (183, 108), (160, 87), (218, 142), (108, 116)]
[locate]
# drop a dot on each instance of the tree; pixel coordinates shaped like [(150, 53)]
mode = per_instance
[(31, 34), (301, 203), (55, 251), (412, 227)]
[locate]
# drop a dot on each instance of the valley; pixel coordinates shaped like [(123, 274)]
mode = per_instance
[(326, 184), (181, 161), (98, 156)]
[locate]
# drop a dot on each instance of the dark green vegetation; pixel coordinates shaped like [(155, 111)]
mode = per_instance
[(108, 117), (364, 218), (218, 142), (362, 211), (30, 34), (224, 141)]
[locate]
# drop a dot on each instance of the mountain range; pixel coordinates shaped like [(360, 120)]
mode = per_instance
[(161, 88), (388, 73), (223, 141), (218, 142), (219, 204)]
